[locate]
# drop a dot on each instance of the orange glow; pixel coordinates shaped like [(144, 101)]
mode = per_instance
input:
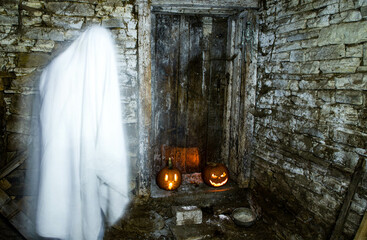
[(185, 159), (218, 184), (170, 185)]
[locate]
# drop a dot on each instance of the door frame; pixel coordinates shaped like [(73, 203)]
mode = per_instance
[(144, 110)]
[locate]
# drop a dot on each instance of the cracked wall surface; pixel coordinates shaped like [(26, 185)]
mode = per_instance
[(312, 92)]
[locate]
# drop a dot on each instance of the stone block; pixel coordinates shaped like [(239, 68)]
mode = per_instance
[(124, 12), (292, 26), (362, 69), (341, 113), (354, 51), (353, 81), (71, 9), (21, 104), (349, 97), (364, 12), (18, 124), (349, 16), (364, 54), (44, 33), (31, 21), (310, 67), (326, 52), (8, 20), (31, 4), (361, 3), (359, 204), (289, 67), (288, 47), (330, 9), (318, 22), (17, 142), (29, 60), (43, 46), (346, 33), (113, 23), (297, 56), (326, 96), (67, 22), (350, 137), (346, 65), (353, 16), (185, 215), (346, 5)]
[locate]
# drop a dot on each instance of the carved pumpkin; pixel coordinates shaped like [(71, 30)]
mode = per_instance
[(169, 178), (215, 174)]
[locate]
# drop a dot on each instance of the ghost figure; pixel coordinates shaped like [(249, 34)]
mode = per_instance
[(83, 169)]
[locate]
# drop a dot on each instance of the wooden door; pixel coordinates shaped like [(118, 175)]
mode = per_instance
[(188, 86)]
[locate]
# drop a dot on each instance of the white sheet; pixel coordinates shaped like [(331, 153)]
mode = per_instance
[(83, 167)]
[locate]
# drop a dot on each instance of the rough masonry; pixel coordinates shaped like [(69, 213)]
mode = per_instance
[(32, 33), (311, 126)]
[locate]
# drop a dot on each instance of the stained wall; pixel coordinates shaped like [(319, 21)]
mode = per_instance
[(311, 117)]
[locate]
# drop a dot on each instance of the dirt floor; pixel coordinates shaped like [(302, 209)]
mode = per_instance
[(154, 219)]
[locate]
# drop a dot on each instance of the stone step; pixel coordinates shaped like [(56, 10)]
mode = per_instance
[(200, 195)]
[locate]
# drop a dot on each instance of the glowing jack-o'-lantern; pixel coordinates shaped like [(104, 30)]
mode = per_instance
[(169, 178), (215, 174)]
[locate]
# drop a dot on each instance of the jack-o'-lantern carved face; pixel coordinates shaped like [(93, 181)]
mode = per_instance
[(169, 178), (215, 174)]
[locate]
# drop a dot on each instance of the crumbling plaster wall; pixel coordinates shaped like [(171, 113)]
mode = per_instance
[(311, 118), (32, 33)]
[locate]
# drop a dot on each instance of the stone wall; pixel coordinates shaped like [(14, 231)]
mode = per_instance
[(311, 118), (32, 33)]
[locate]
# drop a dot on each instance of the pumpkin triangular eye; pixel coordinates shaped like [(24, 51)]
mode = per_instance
[(223, 174), (214, 176), (166, 177)]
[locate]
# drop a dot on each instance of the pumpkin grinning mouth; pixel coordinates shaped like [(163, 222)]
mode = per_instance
[(218, 184)]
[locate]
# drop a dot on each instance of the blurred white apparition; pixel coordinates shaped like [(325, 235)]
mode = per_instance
[(83, 169)]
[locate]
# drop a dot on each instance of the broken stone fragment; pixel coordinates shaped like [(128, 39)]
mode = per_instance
[(185, 215)]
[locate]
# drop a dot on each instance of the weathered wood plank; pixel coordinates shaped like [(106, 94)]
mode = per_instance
[(216, 88), (228, 92), (145, 100), (171, 98), (16, 217), (249, 81), (197, 10), (197, 111), (184, 45), (11, 166), (356, 178), (235, 94), (161, 85), (362, 231), (246, 59), (206, 83), (210, 3)]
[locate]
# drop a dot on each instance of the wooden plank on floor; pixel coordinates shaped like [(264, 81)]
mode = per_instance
[(11, 166), (16, 217), (356, 178), (362, 231)]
